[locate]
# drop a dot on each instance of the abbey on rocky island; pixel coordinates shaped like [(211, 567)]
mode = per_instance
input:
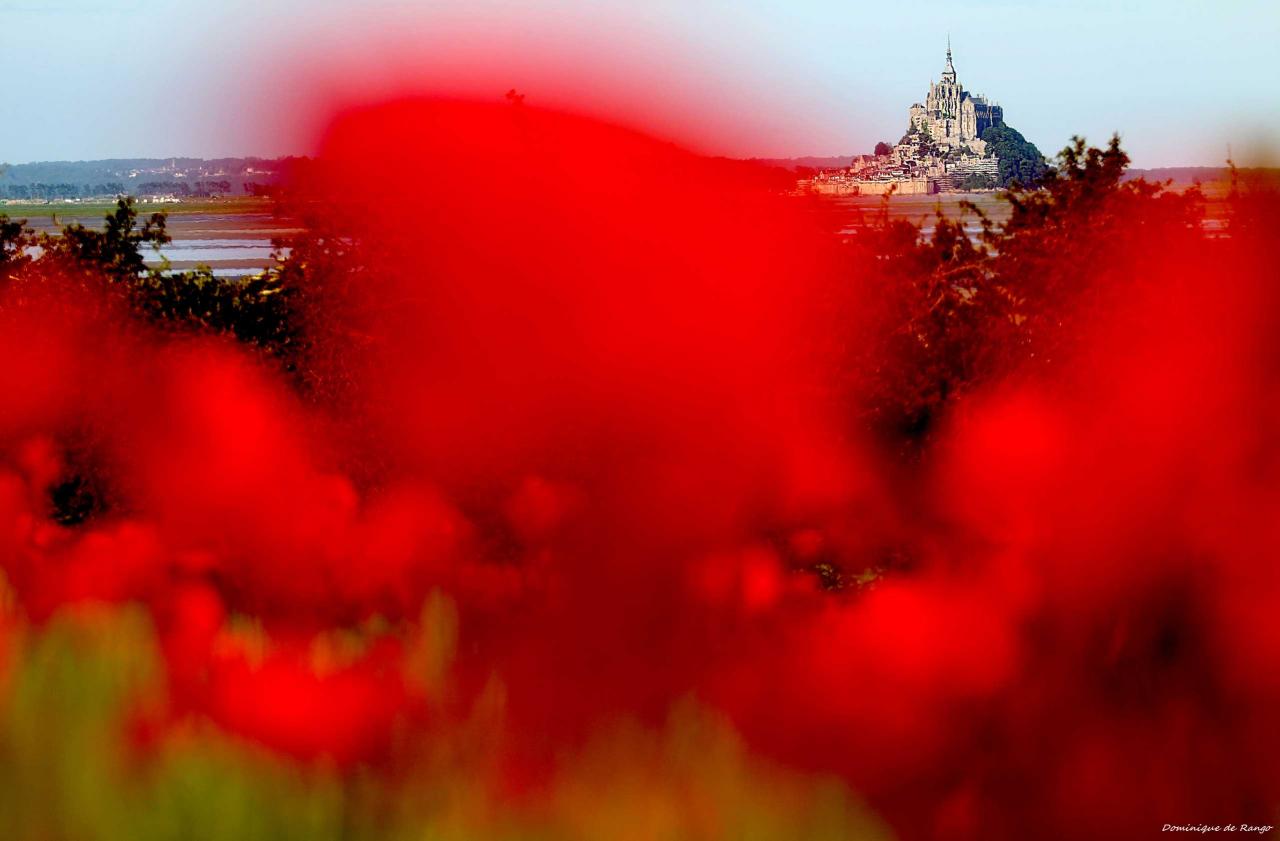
[(943, 149)]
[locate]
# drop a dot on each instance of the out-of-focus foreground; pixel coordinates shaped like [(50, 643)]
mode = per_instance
[(641, 507)]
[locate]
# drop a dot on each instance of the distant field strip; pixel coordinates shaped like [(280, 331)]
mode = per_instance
[(231, 237)]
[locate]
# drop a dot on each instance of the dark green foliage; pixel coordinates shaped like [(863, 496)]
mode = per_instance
[(15, 236), (977, 181), (883, 148), (1085, 221), (320, 283), (253, 310), (1020, 160), (924, 142), (921, 137), (961, 311), (116, 250)]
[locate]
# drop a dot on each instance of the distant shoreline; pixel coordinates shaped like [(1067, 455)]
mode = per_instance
[(94, 209), (1177, 174)]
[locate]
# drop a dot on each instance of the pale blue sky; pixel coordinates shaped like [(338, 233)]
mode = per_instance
[(124, 78)]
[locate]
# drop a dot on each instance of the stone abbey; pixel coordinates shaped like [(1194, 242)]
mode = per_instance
[(943, 149), (951, 116)]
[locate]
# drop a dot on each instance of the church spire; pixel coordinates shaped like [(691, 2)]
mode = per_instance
[(950, 72)]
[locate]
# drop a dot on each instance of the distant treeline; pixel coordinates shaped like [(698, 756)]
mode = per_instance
[(810, 162), (181, 177), (1202, 174), (181, 189), (200, 178), (60, 191)]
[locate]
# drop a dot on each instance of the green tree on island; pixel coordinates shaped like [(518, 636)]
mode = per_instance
[(1020, 160)]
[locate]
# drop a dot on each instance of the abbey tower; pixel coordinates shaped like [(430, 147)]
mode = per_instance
[(953, 117)]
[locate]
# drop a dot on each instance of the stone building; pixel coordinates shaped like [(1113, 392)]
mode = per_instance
[(953, 117), (942, 151)]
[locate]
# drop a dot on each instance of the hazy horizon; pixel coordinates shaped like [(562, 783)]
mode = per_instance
[(265, 158), (1181, 82)]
